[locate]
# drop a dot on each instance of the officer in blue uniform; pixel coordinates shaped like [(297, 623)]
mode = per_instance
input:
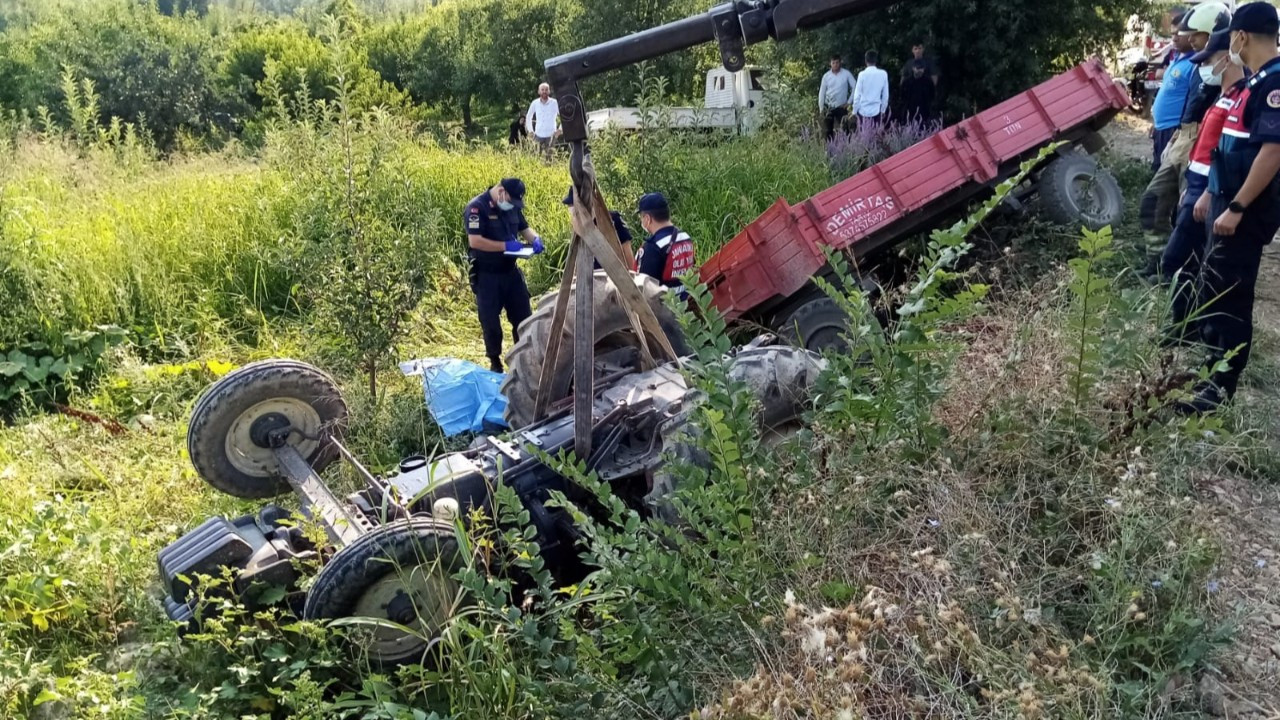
[(619, 227), (495, 226), (1244, 205), (667, 254)]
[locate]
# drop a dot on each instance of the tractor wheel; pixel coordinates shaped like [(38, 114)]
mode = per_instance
[(400, 577), (226, 436), (819, 324), (612, 332), (1074, 191), (781, 378)]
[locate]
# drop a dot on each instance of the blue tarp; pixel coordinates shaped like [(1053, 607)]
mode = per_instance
[(461, 396)]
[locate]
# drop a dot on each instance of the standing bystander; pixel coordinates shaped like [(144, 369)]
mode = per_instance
[(871, 94), (543, 118), (833, 96), (1244, 205)]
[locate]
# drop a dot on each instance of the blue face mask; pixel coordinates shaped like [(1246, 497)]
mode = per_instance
[(505, 205)]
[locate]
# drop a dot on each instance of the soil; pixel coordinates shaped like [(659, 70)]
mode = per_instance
[(1246, 515)]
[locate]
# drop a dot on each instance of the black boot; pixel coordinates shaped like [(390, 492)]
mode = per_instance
[(495, 364)]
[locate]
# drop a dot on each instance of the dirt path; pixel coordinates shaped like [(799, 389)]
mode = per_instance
[(1245, 513)]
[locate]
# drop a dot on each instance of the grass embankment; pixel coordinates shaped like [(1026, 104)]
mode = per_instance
[(996, 533)]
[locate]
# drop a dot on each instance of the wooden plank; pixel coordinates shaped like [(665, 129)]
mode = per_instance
[(638, 310), (548, 388), (584, 360)]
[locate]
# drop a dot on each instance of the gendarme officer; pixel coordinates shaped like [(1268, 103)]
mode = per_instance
[(1244, 205), (495, 225), (667, 254)]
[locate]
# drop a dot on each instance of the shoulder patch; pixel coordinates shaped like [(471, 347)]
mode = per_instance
[(1273, 99), (473, 219)]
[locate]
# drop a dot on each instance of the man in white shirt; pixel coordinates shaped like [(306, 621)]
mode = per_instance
[(833, 96), (543, 119), (871, 94)]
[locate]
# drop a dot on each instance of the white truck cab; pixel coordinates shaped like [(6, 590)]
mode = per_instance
[(732, 101)]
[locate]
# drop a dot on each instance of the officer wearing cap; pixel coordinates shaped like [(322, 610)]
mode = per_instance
[(1244, 204), (667, 254), (619, 226), (495, 223), (1184, 254), (1161, 198)]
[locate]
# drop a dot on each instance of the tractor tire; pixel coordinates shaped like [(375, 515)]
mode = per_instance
[(398, 574), (612, 331), (817, 325), (781, 377), (219, 440), (1075, 192)]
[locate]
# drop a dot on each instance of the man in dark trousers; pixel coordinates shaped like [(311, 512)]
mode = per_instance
[(1183, 256), (1244, 204), (667, 254), (917, 94), (495, 223), (834, 93)]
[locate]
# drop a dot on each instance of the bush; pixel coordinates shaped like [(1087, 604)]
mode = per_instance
[(151, 70)]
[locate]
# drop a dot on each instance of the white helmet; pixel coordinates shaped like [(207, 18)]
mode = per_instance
[(1205, 18)]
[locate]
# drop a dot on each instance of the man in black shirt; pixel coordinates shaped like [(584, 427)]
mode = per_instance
[(917, 93), (918, 56)]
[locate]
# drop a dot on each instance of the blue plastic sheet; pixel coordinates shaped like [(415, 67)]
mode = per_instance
[(461, 396)]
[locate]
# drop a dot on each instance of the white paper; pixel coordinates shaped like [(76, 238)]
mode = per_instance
[(522, 253)]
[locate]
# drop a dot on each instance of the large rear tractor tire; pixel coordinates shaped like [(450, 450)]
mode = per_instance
[(226, 437), (612, 332), (1074, 191), (781, 378)]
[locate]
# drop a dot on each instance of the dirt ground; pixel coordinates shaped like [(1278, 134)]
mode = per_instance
[(1246, 514)]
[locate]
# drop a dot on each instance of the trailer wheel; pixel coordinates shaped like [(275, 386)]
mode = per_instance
[(819, 324), (226, 438), (1074, 191), (612, 332), (400, 576), (781, 378)]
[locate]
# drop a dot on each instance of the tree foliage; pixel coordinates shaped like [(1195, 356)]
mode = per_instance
[(193, 65)]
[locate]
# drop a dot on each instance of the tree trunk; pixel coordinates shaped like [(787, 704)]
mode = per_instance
[(466, 111), (371, 366)]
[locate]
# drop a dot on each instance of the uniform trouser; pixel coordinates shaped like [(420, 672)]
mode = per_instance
[(834, 119), (1228, 278), (1184, 254), (1158, 201), (495, 292)]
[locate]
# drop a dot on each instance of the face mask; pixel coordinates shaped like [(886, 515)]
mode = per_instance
[(1235, 56), (505, 205), (1209, 77)]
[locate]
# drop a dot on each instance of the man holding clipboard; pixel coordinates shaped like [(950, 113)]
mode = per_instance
[(495, 226)]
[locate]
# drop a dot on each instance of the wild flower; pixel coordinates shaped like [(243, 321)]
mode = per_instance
[(851, 152)]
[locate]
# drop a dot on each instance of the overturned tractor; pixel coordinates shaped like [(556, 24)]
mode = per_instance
[(392, 548)]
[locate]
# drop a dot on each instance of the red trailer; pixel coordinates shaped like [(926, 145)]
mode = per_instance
[(764, 271)]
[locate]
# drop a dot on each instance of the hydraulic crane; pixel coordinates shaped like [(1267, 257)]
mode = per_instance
[(733, 26)]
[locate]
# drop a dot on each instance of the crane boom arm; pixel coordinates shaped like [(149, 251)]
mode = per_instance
[(733, 25)]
